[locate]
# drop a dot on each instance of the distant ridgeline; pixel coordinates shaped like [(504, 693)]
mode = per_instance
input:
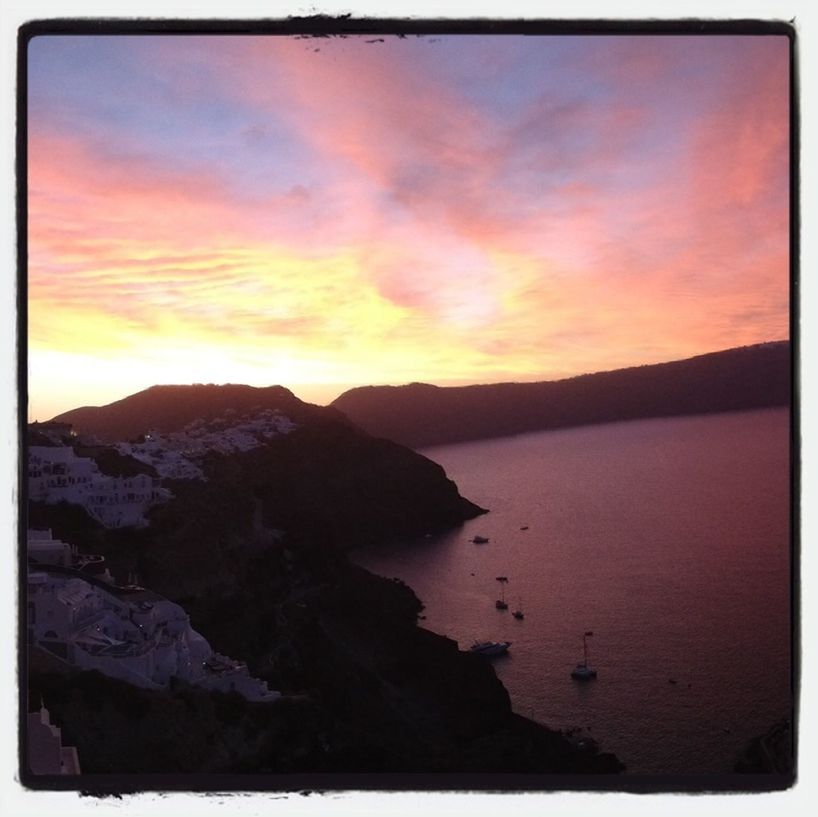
[(421, 415), (172, 408)]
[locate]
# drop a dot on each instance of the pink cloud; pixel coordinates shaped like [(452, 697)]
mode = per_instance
[(119, 197), (565, 234)]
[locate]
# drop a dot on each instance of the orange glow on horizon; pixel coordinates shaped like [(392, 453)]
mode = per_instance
[(376, 217)]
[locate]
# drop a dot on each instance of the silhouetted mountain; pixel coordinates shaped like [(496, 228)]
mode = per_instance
[(421, 415), (171, 408), (325, 475)]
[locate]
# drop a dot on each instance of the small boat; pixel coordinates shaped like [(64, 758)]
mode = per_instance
[(490, 648), (501, 603), (524, 527), (501, 578), (584, 672), (518, 613), (480, 540)]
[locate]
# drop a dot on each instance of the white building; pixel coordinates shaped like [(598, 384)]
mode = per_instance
[(57, 474), (159, 451), (46, 754), (174, 455), (43, 548), (127, 633)]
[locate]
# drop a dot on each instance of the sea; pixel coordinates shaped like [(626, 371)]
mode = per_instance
[(667, 539)]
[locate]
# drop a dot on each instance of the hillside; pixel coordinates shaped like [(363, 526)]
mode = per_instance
[(324, 474), (420, 415), (256, 555), (171, 408)]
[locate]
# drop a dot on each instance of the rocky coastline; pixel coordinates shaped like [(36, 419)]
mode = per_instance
[(257, 556)]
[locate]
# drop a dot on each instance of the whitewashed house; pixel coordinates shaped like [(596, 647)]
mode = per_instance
[(175, 455), (44, 548), (127, 633), (45, 751), (57, 474)]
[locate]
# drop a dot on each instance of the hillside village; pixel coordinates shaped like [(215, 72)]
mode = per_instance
[(57, 473), (174, 455), (78, 617)]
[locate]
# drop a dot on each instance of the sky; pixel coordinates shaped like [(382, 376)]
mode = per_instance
[(324, 213)]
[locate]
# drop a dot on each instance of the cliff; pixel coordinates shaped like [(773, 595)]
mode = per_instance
[(365, 690), (420, 415), (256, 554)]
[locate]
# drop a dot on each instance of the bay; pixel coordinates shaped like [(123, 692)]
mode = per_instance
[(669, 539)]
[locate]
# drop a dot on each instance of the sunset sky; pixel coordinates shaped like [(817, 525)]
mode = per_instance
[(322, 213)]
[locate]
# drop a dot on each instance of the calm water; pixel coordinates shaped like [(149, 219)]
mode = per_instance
[(669, 539)]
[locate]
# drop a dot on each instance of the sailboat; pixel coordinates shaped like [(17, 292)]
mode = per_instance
[(501, 603), (584, 672), (518, 613)]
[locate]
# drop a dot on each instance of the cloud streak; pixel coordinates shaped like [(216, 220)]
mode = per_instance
[(470, 210)]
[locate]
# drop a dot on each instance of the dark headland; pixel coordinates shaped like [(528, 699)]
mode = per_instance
[(420, 415), (257, 556)]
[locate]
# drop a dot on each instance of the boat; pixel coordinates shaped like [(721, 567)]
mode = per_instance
[(490, 648), (480, 540), (583, 671), (501, 603), (518, 613)]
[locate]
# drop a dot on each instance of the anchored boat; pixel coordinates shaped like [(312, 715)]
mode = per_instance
[(501, 603), (490, 648), (584, 671)]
